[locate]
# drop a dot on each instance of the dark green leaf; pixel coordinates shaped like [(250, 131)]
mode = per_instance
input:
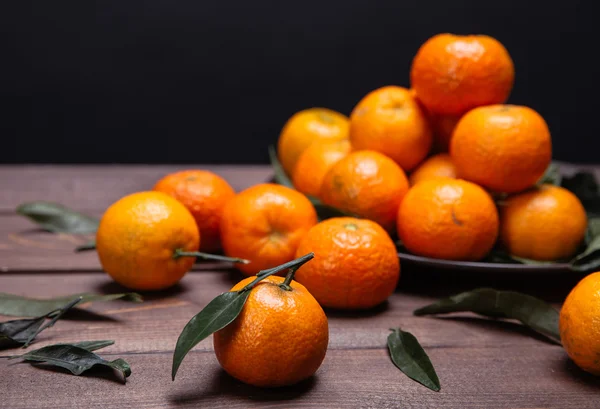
[(90, 245), (57, 218), (93, 345), (283, 179), (72, 357), (585, 186), (589, 259), (327, 212), (219, 313), (280, 176), (17, 332), (552, 175), (532, 312), (408, 355), (23, 332), (19, 306)]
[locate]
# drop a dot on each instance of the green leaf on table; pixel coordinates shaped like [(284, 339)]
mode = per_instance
[(90, 245), (530, 311), (57, 218), (408, 355), (19, 306), (23, 332), (219, 313), (93, 345), (75, 358)]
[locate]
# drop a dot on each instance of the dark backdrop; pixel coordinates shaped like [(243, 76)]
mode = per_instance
[(203, 81)]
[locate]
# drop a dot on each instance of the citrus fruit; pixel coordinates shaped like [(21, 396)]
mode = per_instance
[(389, 120), (504, 148), (280, 337), (452, 74), (436, 166), (306, 127), (314, 163), (355, 266), (138, 235), (204, 194), (547, 224), (580, 324), (264, 224), (366, 184), (448, 219)]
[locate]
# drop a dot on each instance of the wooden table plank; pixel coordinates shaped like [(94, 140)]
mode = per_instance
[(481, 363), (155, 324), (535, 377), (95, 187)]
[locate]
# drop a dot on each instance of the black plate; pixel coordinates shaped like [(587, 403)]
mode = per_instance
[(475, 266)]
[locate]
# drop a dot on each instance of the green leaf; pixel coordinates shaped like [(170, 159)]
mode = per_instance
[(73, 358), (19, 306), (589, 259), (408, 355), (23, 332), (552, 176), (219, 313), (90, 245), (530, 311), (225, 308), (280, 176), (57, 218), (17, 332), (92, 345), (585, 186)]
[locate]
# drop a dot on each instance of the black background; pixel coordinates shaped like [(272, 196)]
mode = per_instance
[(164, 81)]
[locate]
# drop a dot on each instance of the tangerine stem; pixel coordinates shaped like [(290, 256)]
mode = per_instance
[(292, 265), (181, 253)]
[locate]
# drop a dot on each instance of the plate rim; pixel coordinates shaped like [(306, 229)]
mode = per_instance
[(480, 265)]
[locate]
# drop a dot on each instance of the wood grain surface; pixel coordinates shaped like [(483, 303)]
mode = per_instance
[(481, 363)]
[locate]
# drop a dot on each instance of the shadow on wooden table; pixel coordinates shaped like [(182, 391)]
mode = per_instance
[(112, 287), (578, 374), (501, 326), (552, 287), (226, 386)]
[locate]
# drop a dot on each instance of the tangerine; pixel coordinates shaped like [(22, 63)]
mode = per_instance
[(389, 120), (264, 224), (366, 184), (436, 166), (315, 162), (452, 74), (279, 338), (547, 223), (504, 148), (356, 263), (579, 325), (306, 127), (148, 241), (448, 219), (204, 194)]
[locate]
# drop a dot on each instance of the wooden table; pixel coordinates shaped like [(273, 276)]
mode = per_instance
[(481, 364)]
